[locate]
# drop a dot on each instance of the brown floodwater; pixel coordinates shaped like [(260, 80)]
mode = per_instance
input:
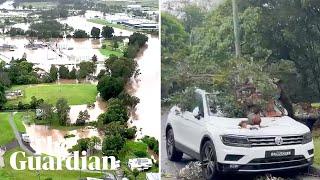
[(45, 140)]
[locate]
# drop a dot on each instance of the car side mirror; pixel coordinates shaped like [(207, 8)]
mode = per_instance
[(196, 113)]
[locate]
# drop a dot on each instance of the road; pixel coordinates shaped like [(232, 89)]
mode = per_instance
[(170, 170), (18, 136)]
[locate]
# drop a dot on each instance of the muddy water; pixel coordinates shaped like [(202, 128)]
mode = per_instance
[(147, 88), (52, 142)]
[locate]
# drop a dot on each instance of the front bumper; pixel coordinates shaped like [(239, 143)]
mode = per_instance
[(255, 160)]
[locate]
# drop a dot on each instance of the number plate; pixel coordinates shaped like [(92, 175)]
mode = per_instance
[(280, 153)]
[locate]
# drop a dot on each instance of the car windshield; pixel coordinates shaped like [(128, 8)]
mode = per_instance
[(273, 108)]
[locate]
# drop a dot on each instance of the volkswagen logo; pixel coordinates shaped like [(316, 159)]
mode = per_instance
[(278, 140)]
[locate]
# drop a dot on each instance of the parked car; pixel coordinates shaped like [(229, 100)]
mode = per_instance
[(280, 143), (140, 164), (25, 138)]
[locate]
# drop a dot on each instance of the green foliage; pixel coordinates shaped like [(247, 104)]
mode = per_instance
[(63, 111), (140, 154), (152, 143), (80, 34), (47, 29), (63, 72), (121, 67), (110, 87), (86, 68), (138, 38), (193, 17), (117, 111), (22, 72), (3, 99), (107, 32), (73, 73), (112, 145), (82, 118), (95, 32), (118, 127), (53, 73), (82, 145)]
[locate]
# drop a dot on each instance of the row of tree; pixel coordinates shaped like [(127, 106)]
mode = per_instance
[(278, 39), (111, 86)]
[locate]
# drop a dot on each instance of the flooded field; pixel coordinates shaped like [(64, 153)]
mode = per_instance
[(63, 51), (52, 142)]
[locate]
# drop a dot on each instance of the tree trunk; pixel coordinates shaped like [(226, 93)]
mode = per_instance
[(236, 28)]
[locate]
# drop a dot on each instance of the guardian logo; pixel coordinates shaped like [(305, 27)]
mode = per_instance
[(74, 162)]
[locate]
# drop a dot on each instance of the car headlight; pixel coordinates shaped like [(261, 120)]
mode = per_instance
[(233, 140), (307, 137)]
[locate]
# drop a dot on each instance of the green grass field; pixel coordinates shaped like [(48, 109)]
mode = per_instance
[(7, 134), (109, 50), (75, 94), (7, 173), (18, 119)]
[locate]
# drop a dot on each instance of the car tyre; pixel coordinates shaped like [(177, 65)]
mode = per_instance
[(172, 152), (209, 161)]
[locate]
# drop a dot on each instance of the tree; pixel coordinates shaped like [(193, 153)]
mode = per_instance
[(80, 34), (117, 111), (3, 99), (135, 173), (112, 145), (193, 17), (96, 141), (53, 73), (118, 127), (86, 68), (63, 72), (95, 32), (115, 44), (82, 118), (82, 145), (102, 73), (138, 38), (110, 87), (62, 111), (94, 58), (73, 73), (121, 67), (47, 111), (107, 32), (35, 103)]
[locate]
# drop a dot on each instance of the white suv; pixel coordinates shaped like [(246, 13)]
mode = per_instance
[(280, 143)]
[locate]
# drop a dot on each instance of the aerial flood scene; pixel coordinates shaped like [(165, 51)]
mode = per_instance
[(80, 75)]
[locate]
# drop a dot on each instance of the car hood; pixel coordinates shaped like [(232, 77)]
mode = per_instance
[(269, 126)]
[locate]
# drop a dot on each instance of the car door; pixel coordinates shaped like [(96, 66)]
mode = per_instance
[(192, 125)]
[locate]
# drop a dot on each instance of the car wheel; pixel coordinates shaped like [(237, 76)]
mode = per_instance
[(209, 161), (172, 153)]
